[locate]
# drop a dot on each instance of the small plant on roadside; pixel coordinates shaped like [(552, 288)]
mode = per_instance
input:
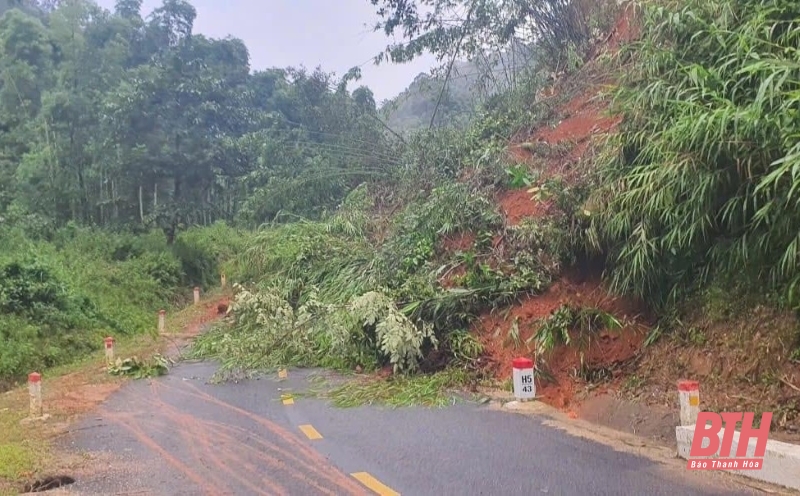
[(465, 347), (567, 324), (513, 338), (140, 369)]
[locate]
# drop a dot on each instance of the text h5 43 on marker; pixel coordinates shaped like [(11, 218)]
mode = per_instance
[(720, 448)]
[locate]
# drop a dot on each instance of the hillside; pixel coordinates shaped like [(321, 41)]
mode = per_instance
[(742, 346), (412, 109), (624, 212), (722, 326), (470, 84), (505, 247)]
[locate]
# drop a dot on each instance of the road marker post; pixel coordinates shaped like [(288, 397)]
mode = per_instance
[(196, 295), (162, 321), (223, 281), (35, 393), (524, 385), (689, 393), (109, 350)]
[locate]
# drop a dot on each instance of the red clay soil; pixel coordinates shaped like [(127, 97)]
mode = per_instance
[(211, 312), (582, 120), (450, 245), (582, 117), (518, 204), (605, 350), (624, 30), (516, 154)]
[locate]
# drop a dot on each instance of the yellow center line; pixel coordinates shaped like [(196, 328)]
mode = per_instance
[(372, 483), (287, 399), (310, 432)]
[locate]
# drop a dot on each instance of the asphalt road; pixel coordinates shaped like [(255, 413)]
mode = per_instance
[(179, 435)]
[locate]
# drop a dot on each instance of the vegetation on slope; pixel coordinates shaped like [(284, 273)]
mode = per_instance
[(129, 147), (682, 191), (702, 180), (361, 289), (368, 249)]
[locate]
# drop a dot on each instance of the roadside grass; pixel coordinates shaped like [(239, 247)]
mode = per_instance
[(26, 449)]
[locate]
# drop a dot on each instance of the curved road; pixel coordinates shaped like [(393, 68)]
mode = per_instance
[(178, 435)]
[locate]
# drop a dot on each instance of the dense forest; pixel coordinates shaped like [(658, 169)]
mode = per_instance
[(138, 158), (114, 122)]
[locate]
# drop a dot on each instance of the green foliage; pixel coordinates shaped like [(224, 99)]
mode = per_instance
[(301, 255), (450, 209), (162, 137), (269, 332), (465, 348), (14, 459), (112, 119), (559, 26), (519, 177), (568, 323), (702, 180), (202, 252), (58, 299), (352, 217), (433, 390), (138, 369)]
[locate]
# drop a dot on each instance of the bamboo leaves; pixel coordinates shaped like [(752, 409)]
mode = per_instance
[(710, 179)]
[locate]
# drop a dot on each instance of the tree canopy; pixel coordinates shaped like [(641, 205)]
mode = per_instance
[(112, 119)]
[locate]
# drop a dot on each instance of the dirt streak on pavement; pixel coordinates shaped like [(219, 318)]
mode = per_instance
[(213, 454)]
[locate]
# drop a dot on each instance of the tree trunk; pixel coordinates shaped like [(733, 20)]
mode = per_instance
[(114, 200), (102, 217)]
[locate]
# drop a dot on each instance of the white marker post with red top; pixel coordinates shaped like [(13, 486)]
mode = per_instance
[(35, 392), (689, 393), (524, 385), (109, 350)]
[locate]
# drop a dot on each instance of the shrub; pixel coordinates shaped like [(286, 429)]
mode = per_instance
[(703, 178)]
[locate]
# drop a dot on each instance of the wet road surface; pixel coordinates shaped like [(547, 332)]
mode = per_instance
[(179, 435)]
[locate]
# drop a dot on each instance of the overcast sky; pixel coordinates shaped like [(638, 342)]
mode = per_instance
[(334, 34)]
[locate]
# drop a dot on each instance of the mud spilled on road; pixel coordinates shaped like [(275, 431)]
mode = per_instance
[(180, 424)]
